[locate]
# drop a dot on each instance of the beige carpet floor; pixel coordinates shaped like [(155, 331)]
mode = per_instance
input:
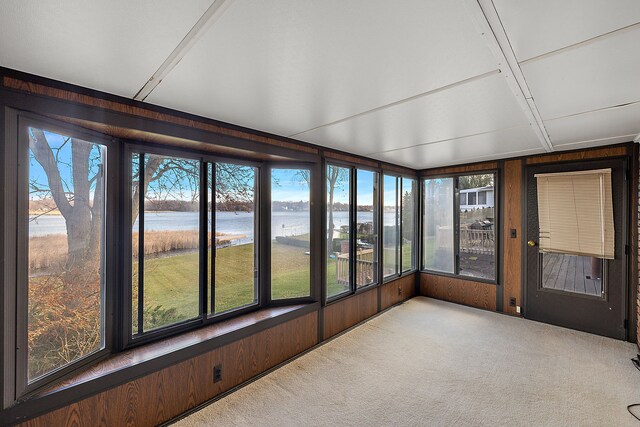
[(428, 362)]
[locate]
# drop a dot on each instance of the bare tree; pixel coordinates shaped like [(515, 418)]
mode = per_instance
[(335, 179), (83, 218)]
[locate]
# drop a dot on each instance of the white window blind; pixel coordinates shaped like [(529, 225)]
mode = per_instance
[(575, 211)]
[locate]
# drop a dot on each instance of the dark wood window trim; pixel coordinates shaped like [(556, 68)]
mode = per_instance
[(143, 360)]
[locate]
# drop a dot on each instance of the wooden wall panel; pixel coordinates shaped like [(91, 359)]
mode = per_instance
[(512, 260), (397, 291), (453, 289), (475, 167), (67, 95), (348, 312), (158, 397), (598, 153)]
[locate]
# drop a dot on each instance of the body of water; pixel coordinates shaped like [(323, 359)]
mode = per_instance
[(234, 223)]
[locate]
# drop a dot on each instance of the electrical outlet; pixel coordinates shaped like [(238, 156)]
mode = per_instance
[(217, 373), (400, 290), (512, 302), (518, 309)]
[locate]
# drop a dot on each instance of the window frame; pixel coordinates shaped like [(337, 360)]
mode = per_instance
[(314, 240), (415, 253), (205, 317), (18, 359), (497, 203)]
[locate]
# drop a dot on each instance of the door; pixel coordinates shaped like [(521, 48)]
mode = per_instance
[(578, 292)]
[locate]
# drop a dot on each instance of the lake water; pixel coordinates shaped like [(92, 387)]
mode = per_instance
[(240, 223)]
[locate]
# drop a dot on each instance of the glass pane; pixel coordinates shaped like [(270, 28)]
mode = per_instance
[(66, 252), (171, 267), (477, 228), (408, 223), (135, 236), (438, 243), (391, 226), (236, 249), (573, 273), (367, 229), (338, 232), (290, 238)]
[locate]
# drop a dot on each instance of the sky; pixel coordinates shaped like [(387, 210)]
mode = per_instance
[(63, 147), (287, 185)]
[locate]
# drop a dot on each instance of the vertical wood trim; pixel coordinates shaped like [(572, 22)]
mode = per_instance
[(512, 262)]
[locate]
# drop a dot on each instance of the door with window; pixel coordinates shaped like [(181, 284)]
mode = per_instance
[(575, 253)]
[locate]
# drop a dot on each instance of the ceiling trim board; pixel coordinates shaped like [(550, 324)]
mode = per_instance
[(208, 18), (424, 144), (488, 23), (401, 101), (597, 110), (583, 43), (589, 141)]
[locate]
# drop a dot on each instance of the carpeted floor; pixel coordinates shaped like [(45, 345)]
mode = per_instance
[(429, 362)]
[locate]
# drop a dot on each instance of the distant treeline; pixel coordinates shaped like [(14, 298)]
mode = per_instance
[(186, 206), (300, 206)]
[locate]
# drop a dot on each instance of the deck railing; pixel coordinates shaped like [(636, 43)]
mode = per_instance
[(477, 241), (365, 268)]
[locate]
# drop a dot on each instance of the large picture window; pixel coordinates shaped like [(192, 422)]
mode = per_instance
[(165, 241), (290, 233), (459, 233), (65, 251), (408, 197), (366, 228), (235, 282), (338, 230), (399, 225)]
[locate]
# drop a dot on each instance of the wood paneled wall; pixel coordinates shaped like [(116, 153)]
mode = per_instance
[(453, 289), (397, 291), (348, 312), (512, 259), (158, 397), (165, 394)]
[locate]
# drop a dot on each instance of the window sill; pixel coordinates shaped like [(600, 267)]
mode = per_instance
[(130, 364)]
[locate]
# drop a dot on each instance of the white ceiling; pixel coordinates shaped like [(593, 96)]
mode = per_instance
[(412, 82)]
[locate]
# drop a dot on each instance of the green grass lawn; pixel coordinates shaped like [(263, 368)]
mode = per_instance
[(172, 281)]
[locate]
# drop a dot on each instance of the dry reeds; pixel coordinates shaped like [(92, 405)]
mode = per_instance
[(51, 250)]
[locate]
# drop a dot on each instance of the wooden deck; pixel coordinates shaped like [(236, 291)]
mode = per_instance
[(569, 273)]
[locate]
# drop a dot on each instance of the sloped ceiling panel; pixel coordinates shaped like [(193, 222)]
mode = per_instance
[(536, 27), (113, 46), (512, 142), (597, 75), (480, 106), (287, 66)]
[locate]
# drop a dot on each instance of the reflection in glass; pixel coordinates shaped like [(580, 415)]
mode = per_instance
[(367, 226), (290, 238), (66, 250), (338, 230), (438, 236)]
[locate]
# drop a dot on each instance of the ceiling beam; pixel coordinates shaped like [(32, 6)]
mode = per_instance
[(212, 14), (488, 23)]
